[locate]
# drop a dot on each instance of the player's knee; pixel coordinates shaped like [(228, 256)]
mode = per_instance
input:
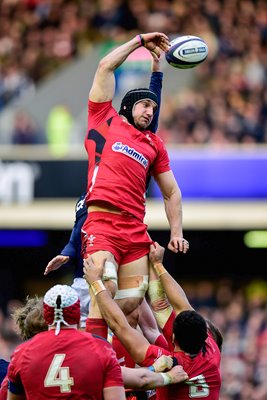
[(110, 277), (101, 256)]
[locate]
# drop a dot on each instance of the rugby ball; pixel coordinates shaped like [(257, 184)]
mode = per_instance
[(187, 52)]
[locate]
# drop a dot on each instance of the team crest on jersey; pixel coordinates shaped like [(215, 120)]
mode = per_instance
[(130, 152), (91, 239)]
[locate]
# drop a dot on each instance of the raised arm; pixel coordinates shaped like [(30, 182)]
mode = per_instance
[(171, 287), (156, 87), (103, 87), (165, 284)]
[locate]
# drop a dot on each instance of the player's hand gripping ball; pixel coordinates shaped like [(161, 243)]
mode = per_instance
[(187, 52)]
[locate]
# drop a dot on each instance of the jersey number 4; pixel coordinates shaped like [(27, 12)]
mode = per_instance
[(58, 375)]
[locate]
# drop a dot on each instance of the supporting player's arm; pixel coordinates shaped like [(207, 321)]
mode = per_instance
[(171, 287), (166, 284), (144, 379), (131, 338)]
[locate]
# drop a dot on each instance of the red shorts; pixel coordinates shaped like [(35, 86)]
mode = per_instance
[(121, 234)]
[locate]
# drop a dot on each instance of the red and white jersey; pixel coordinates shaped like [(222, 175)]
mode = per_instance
[(73, 364), (123, 357), (203, 371), (3, 389), (167, 330), (120, 159), (126, 360)]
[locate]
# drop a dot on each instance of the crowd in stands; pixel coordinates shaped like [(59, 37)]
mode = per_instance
[(228, 102), (241, 314)]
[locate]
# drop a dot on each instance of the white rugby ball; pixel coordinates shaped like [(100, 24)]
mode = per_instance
[(187, 52)]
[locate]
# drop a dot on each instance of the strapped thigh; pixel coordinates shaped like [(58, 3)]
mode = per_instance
[(132, 286)]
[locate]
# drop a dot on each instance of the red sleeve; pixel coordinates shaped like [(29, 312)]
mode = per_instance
[(113, 375), (153, 352), (162, 342), (13, 372), (3, 389), (122, 354), (167, 330), (99, 113), (162, 161)]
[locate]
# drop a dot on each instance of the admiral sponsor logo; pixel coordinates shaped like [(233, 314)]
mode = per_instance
[(130, 152)]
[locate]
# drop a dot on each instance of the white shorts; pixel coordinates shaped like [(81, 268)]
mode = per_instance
[(82, 289)]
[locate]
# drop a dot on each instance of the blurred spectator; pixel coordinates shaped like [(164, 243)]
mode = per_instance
[(111, 18), (227, 101), (59, 129), (14, 84), (25, 130)]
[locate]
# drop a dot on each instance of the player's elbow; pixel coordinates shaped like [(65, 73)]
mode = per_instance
[(117, 325), (118, 329), (145, 382), (104, 66)]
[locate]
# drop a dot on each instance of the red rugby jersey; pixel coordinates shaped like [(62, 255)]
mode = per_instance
[(203, 370), (73, 364), (120, 159)]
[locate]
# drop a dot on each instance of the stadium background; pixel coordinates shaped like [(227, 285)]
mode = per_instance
[(214, 123)]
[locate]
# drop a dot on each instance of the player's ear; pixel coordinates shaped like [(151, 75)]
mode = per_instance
[(173, 339)]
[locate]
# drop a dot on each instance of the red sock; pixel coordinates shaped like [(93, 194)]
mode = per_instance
[(162, 342), (97, 326)]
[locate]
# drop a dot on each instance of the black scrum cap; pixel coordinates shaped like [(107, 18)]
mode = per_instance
[(131, 98)]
